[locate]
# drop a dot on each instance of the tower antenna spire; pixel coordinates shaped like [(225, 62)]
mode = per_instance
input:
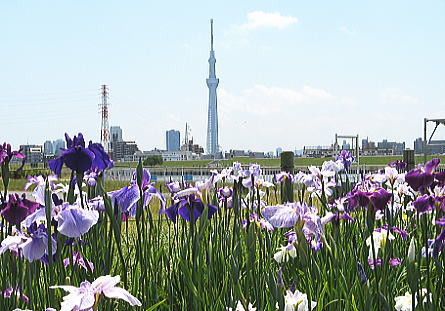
[(211, 34)]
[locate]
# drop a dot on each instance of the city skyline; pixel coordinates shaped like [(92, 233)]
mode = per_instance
[(292, 74)]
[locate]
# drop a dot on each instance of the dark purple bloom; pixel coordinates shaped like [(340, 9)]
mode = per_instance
[(422, 178), (441, 222), (371, 263), (399, 165), (76, 156), (439, 242), (403, 233), (361, 273), (357, 198), (6, 155), (101, 160), (380, 198), (17, 208), (187, 205), (346, 216), (394, 262), (424, 203)]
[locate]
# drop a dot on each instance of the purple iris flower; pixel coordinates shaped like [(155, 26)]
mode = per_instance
[(441, 222), (378, 263), (78, 260), (173, 186), (255, 169), (76, 156), (281, 177), (395, 262), (380, 198), (33, 244), (346, 158), (36, 245), (101, 160), (283, 216), (225, 192), (438, 244), (357, 198), (186, 205), (422, 178), (399, 165), (16, 209), (74, 221), (424, 203), (128, 196), (6, 155), (403, 233)]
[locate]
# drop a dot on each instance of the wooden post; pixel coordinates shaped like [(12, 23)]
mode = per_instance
[(287, 165), (408, 157)]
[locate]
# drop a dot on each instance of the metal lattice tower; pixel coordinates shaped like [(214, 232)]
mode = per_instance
[(104, 128), (212, 83)]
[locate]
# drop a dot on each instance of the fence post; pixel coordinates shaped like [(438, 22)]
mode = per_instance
[(287, 165), (408, 158)]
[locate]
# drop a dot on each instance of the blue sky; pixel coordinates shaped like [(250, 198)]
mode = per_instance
[(292, 73)]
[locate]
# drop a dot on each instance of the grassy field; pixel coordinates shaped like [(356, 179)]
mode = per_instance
[(17, 184), (371, 160)]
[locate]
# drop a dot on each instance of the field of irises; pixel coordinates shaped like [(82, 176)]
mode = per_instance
[(306, 241)]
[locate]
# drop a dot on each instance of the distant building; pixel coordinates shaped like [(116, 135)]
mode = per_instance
[(115, 133), (33, 153), (57, 145), (194, 148), (167, 156), (318, 151), (248, 154), (48, 147), (123, 149), (345, 145), (279, 150), (390, 148), (364, 143), (434, 146), (172, 140)]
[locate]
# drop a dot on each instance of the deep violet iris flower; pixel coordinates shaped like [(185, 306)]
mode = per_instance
[(17, 208), (187, 205), (424, 203), (423, 177), (6, 155), (378, 198), (79, 158)]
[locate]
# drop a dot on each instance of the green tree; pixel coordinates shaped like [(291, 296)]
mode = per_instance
[(153, 160)]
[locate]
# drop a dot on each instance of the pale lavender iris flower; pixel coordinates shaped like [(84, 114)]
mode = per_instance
[(89, 294), (74, 221)]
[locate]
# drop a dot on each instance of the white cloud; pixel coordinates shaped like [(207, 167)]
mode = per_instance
[(269, 116), (317, 93), (260, 19), (347, 30), (395, 96)]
